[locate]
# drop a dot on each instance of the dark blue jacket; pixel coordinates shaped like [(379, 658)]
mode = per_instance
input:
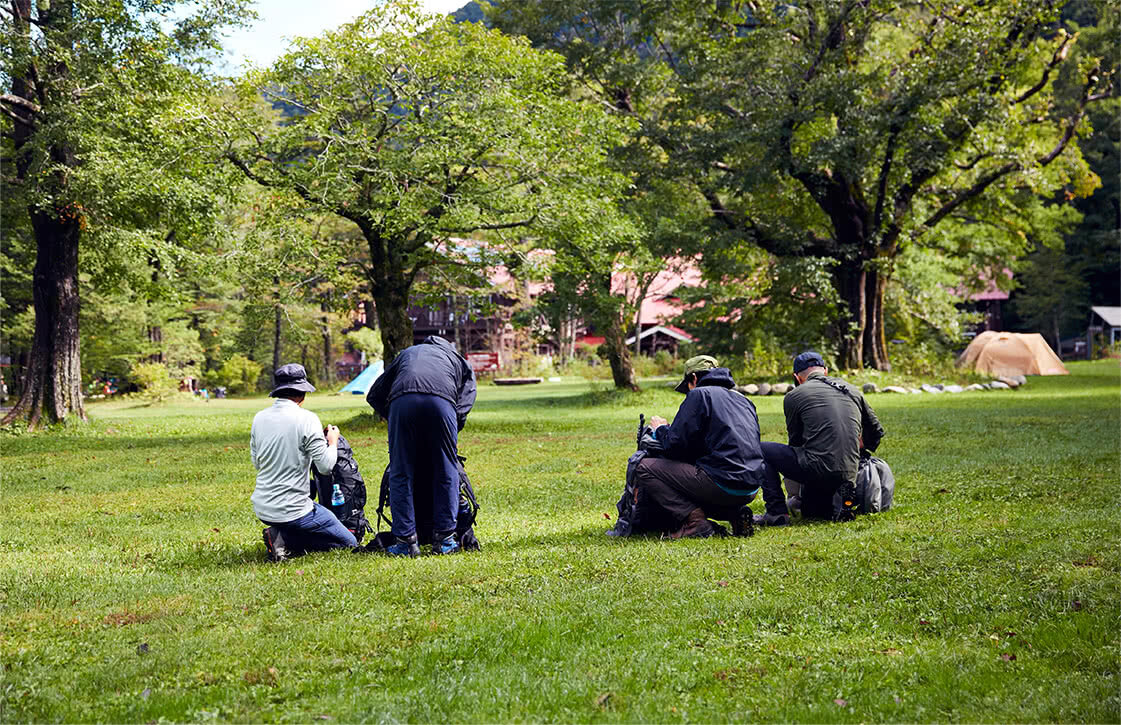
[(717, 429), (432, 367)]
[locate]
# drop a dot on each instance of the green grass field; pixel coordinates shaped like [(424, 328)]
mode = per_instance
[(135, 586)]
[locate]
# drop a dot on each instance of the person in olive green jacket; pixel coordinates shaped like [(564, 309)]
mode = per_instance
[(828, 425)]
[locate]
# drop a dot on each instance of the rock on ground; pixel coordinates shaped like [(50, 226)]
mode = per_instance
[(751, 389), (998, 385), (764, 388), (894, 389), (953, 389), (928, 388), (868, 387), (780, 388)]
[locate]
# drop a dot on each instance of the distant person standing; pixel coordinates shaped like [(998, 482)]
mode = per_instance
[(285, 442), (425, 394)]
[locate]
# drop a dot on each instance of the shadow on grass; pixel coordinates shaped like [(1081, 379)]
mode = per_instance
[(120, 442)]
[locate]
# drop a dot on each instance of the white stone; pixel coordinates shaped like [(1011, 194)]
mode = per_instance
[(894, 389), (953, 389), (928, 388), (751, 389), (997, 385), (780, 388)]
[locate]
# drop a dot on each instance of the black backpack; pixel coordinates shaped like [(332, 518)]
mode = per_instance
[(352, 512), (422, 513), (638, 513)]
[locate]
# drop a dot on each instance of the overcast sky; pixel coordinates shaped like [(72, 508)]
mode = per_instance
[(281, 20)]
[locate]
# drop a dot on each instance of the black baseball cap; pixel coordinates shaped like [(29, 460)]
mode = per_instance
[(807, 359)]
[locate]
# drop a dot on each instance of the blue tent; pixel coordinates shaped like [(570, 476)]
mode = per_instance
[(361, 384)]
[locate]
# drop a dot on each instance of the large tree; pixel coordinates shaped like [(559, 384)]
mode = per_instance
[(844, 130), (86, 156), (418, 130)]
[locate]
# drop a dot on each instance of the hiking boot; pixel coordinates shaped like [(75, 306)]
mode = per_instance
[(274, 544), (846, 496), (403, 547), (772, 519), (446, 545), (696, 526), (742, 523)]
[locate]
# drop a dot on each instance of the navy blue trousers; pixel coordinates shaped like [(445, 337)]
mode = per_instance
[(423, 442), (817, 491), (318, 530)]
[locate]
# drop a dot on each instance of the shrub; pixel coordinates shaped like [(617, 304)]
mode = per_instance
[(239, 374), (155, 381)]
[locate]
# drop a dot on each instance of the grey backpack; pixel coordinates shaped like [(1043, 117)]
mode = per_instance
[(875, 485)]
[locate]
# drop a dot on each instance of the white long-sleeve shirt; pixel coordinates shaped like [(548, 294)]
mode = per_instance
[(284, 442)]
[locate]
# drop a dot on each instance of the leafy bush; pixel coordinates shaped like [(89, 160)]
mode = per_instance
[(155, 381), (239, 374), (368, 341)]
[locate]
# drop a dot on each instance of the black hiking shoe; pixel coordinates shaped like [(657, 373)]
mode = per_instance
[(742, 523), (274, 544), (846, 494)]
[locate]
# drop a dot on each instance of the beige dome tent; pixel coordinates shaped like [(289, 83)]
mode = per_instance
[(1011, 353)]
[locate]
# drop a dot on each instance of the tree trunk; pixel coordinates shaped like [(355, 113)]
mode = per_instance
[(52, 382), (851, 285), (875, 346), (861, 330), (328, 364), (371, 314), (392, 300), (619, 355), (276, 338)]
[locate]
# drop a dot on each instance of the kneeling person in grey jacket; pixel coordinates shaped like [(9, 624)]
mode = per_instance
[(285, 442)]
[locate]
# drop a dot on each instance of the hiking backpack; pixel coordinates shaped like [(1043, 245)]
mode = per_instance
[(352, 512), (422, 513), (638, 513), (873, 491)]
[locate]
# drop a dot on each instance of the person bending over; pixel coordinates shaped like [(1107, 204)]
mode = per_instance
[(828, 424), (426, 394), (285, 442), (713, 465)]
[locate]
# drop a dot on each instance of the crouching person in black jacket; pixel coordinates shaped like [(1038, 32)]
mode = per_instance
[(713, 464), (828, 424), (426, 394)]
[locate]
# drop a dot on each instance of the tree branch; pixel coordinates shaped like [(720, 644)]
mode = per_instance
[(493, 227), (1057, 58), (13, 100)]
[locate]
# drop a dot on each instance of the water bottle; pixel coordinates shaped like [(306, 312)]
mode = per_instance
[(337, 496)]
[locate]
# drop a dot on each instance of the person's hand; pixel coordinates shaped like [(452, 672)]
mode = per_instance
[(657, 421), (332, 435)]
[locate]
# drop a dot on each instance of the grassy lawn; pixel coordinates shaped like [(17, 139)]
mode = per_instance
[(135, 586)]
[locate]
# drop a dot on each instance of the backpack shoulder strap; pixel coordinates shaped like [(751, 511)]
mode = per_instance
[(837, 386)]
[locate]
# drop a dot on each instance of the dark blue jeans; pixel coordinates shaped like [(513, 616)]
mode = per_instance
[(317, 530), (423, 441), (817, 491)]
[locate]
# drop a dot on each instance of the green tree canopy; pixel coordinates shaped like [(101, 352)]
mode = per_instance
[(418, 130), (845, 130)]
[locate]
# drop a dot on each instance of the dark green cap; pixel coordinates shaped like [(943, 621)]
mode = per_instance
[(697, 364)]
